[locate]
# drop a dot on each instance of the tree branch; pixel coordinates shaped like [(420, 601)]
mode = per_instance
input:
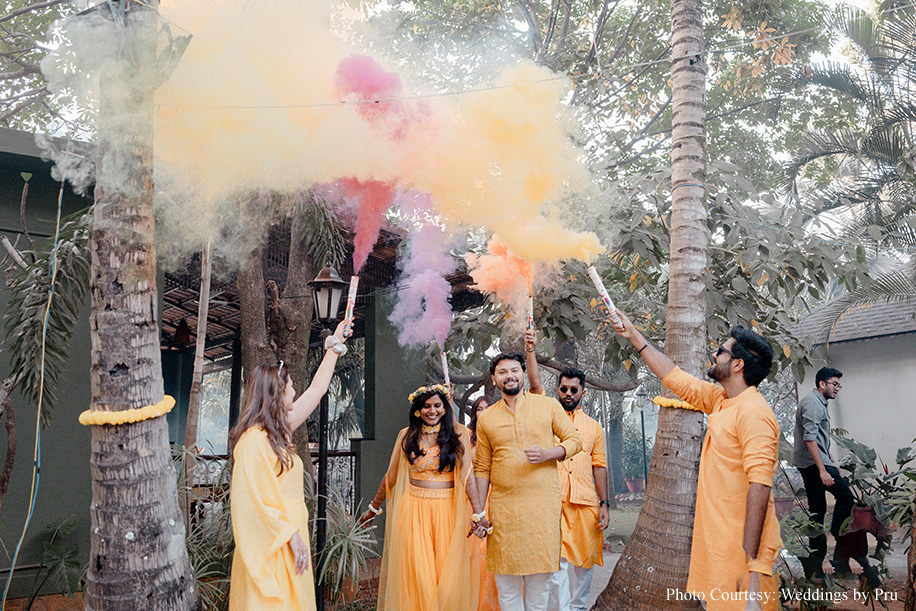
[(8, 76), (30, 8), (13, 253), (24, 104), (534, 29)]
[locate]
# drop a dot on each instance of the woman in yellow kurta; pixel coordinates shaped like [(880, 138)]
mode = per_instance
[(271, 568), (428, 563), (488, 596)]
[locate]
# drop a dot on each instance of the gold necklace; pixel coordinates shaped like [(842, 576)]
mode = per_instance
[(430, 429)]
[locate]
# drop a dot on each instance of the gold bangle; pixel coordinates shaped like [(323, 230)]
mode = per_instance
[(128, 416)]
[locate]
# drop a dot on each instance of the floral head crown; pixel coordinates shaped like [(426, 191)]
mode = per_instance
[(437, 388)]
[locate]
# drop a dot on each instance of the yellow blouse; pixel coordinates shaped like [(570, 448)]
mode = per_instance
[(426, 468)]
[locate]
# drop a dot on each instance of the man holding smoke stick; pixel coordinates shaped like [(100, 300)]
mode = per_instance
[(735, 531), (583, 491)]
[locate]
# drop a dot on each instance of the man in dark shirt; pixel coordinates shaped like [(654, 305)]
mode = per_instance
[(812, 457)]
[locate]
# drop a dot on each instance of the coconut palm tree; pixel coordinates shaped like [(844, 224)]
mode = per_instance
[(646, 571)]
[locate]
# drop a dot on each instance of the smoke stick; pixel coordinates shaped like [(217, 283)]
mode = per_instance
[(530, 311), (351, 297), (611, 308), (445, 369)]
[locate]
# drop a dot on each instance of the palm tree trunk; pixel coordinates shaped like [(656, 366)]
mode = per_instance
[(138, 558), (646, 569)]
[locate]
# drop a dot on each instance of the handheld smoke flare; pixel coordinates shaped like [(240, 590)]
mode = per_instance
[(611, 308), (351, 298), (530, 311), (448, 381)]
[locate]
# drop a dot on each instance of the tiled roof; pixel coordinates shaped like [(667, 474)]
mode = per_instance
[(881, 319)]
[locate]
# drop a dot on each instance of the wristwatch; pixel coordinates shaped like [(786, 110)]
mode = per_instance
[(600, 503)]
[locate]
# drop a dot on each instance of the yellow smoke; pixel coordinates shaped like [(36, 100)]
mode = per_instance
[(251, 105)]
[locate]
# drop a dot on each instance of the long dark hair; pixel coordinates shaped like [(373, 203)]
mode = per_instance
[(450, 448), (262, 406), (472, 425)]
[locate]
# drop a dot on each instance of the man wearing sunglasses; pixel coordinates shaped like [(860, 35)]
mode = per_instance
[(735, 531), (583, 491), (818, 471)]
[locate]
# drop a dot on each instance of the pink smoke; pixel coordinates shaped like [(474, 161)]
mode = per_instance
[(371, 198), (423, 311), (362, 78)]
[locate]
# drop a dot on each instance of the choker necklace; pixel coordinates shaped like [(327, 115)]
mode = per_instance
[(430, 429)]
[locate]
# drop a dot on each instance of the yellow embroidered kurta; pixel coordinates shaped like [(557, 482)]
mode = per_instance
[(524, 498), (267, 508), (583, 541), (740, 448)]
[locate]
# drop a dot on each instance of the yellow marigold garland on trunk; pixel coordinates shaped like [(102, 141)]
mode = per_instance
[(666, 402), (128, 416)]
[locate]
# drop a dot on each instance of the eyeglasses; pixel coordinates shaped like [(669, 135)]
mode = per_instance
[(836, 385), (280, 369), (575, 390)]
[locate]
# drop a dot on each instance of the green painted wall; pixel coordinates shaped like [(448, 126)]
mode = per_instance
[(64, 485), (392, 373)]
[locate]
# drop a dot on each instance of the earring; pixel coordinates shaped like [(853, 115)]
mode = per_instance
[(416, 413)]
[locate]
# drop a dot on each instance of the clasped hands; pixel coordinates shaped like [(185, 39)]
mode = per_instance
[(481, 528)]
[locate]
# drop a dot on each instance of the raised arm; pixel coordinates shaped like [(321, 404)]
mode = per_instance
[(531, 362), (656, 360), (309, 400)]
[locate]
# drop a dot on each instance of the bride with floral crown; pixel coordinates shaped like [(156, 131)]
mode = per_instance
[(428, 561)]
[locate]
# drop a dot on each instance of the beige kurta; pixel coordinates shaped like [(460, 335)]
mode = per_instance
[(524, 497)]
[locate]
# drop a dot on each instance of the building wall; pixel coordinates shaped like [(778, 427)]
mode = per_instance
[(64, 485), (392, 373), (877, 404)]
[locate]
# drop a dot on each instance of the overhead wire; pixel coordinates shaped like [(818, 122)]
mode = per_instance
[(559, 77)]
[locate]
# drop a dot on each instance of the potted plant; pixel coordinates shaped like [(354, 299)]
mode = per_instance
[(350, 543)]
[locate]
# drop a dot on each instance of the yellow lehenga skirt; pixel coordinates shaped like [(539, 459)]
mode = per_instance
[(489, 600), (424, 546)]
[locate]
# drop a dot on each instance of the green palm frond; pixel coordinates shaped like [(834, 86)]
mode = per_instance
[(25, 314), (859, 27), (325, 232), (900, 113), (842, 79)]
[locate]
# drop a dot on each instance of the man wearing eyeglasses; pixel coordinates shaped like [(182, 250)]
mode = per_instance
[(818, 471), (735, 530), (583, 491)]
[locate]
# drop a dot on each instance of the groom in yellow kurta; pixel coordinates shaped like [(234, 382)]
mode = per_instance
[(735, 531), (516, 453)]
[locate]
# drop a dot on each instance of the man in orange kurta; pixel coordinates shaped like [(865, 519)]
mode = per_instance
[(735, 531)]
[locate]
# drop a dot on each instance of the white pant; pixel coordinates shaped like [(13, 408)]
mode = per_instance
[(522, 592), (569, 592)]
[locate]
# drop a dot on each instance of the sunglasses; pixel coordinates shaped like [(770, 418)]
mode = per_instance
[(280, 369), (570, 389)]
